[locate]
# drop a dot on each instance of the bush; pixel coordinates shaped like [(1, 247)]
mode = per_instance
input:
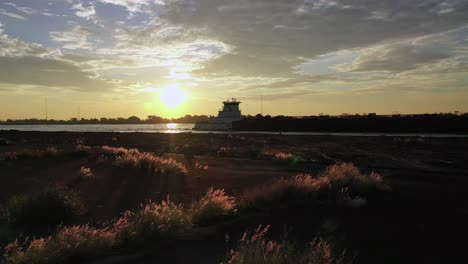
[(338, 181), (255, 248), (53, 206), (67, 243), (213, 205)]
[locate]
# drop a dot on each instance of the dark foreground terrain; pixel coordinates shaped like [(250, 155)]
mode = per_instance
[(420, 218)]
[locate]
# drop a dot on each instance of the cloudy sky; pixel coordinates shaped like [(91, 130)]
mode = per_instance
[(304, 57)]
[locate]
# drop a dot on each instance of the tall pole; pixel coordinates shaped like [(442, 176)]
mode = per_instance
[(261, 104), (78, 112), (46, 117)]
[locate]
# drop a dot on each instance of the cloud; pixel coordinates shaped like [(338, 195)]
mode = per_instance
[(12, 15), (14, 47), (48, 72), (396, 58), (84, 12), (23, 9), (133, 6), (262, 48), (78, 37)]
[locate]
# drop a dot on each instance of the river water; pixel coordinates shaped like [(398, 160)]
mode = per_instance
[(187, 128)]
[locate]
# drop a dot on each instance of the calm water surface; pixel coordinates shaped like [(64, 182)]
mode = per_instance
[(187, 128)]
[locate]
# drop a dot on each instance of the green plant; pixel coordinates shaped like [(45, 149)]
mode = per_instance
[(50, 207)]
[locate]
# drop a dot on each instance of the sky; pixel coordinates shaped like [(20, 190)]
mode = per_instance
[(114, 58)]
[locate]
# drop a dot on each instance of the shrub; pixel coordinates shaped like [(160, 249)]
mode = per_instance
[(67, 243), (255, 248), (50, 207), (153, 220), (328, 186), (216, 203)]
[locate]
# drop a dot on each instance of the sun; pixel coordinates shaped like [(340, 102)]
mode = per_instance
[(172, 96)]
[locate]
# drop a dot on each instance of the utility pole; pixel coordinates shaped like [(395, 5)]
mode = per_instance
[(78, 111)]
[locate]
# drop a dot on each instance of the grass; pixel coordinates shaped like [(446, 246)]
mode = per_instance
[(86, 173), (53, 206), (152, 221), (255, 248), (214, 205), (30, 154), (68, 243), (287, 158), (167, 220), (342, 181)]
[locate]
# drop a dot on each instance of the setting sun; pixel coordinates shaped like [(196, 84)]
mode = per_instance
[(172, 96)]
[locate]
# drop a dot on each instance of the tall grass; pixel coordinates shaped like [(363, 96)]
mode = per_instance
[(168, 220), (135, 159), (86, 173), (214, 205), (255, 248), (153, 220), (287, 158), (67, 243), (30, 154), (337, 181)]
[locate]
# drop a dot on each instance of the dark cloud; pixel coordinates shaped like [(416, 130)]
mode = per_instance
[(47, 72), (397, 58), (271, 36)]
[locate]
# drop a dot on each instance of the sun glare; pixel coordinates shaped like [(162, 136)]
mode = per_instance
[(171, 126), (172, 96)]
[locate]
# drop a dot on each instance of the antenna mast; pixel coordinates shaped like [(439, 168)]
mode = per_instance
[(261, 104), (46, 117)]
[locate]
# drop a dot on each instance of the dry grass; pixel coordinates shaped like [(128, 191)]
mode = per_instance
[(30, 154), (338, 181), (215, 204), (67, 243), (255, 248), (169, 220), (135, 159), (86, 173), (153, 220)]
